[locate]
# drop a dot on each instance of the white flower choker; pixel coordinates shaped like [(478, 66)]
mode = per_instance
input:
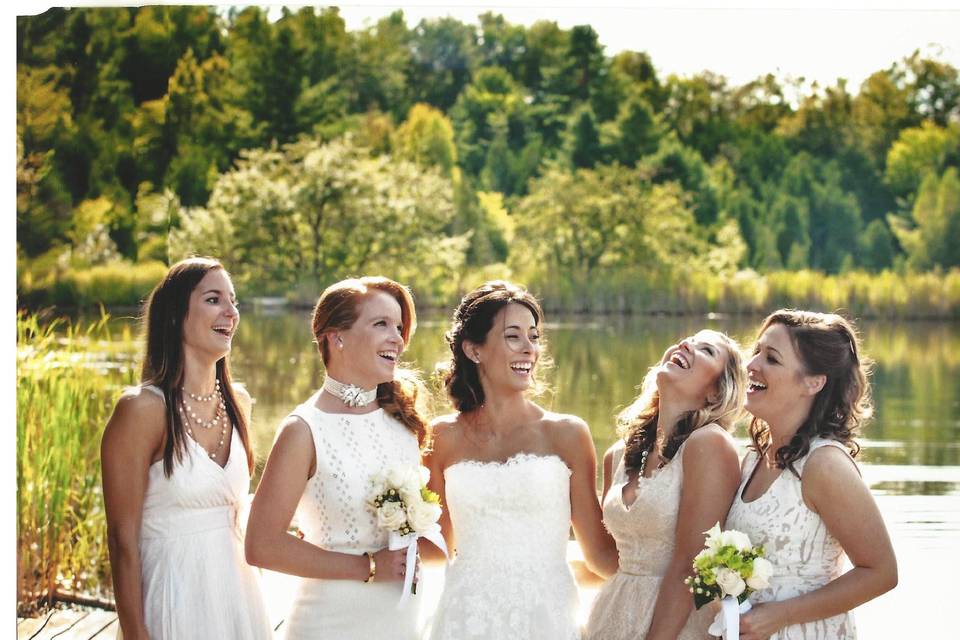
[(350, 394)]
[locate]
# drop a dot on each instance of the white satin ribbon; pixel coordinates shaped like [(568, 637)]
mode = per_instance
[(409, 542), (727, 622)]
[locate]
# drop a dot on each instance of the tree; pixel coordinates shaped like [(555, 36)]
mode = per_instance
[(324, 210), (917, 152), (929, 237), (585, 149), (443, 56), (426, 138)]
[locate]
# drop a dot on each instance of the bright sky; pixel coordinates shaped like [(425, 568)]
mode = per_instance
[(740, 39)]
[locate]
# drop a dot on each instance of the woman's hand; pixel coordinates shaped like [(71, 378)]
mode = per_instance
[(392, 565), (762, 621)]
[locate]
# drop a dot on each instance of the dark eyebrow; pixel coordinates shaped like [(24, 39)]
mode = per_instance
[(219, 293)]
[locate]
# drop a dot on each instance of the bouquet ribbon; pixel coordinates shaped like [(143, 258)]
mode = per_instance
[(727, 622), (409, 542)]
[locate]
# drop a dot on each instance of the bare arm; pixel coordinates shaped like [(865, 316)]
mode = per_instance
[(268, 545), (832, 487), (711, 476), (131, 440), (577, 449), (435, 460)]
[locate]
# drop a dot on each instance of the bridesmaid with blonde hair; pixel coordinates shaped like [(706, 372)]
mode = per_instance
[(670, 477)]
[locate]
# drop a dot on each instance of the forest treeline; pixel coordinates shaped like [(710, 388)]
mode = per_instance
[(443, 153)]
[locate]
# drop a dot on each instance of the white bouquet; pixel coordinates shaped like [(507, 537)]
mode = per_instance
[(408, 510), (728, 569)]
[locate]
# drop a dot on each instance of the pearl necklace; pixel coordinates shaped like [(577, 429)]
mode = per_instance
[(643, 462), (350, 394), (200, 398), (219, 417)]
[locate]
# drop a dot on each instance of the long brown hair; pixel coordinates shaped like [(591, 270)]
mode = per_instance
[(637, 424), (827, 344), (339, 307), (472, 321), (163, 316)]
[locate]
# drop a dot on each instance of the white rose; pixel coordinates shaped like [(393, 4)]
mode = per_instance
[(424, 476), (423, 516), (410, 495), (762, 570), (391, 516), (737, 539), (397, 476), (730, 582)]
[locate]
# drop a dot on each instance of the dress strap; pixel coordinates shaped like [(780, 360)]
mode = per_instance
[(154, 389), (619, 473), (824, 442)]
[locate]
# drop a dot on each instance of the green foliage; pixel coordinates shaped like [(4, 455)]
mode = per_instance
[(326, 210), (116, 103), (66, 378), (930, 237)]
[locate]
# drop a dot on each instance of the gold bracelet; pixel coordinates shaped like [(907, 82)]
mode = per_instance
[(373, 567)]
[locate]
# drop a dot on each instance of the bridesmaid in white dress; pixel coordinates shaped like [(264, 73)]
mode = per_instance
[(670, 477), (513, 477), (363, 419), (801, 495), (176, 465)]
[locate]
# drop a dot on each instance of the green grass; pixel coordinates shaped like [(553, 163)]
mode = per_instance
[(67, 380)]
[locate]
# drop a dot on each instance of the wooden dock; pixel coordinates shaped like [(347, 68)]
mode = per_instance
[(69, 624)]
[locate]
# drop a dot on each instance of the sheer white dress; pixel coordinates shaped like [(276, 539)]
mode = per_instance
[(804, 554), (195, 580), (332, 514), (509, 579)]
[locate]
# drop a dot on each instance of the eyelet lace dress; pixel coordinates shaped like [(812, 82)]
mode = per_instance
[(804, 554), (510, 579), (195, 580), (645, 533), (332, 515)]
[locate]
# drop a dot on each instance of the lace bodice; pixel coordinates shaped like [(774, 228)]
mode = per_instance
[(509, 578), (645, 531), (332, 513), (804, 554)]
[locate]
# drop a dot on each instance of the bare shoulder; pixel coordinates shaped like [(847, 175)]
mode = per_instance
[(709, 437), (294, 431), (138, 422), (446, 432), (565, 425), (711, 443), (827, 465)]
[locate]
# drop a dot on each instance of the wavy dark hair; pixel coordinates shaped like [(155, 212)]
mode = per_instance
[(472, 321), (637, 424), (338, 309), (163, 316), (827, 344)]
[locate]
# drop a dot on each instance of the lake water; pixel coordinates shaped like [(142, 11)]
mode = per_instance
[(911, 450)]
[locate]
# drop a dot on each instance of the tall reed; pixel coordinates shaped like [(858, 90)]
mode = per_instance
[(67, 379)]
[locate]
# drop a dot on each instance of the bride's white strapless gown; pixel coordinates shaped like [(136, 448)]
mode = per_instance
[(509, 578)]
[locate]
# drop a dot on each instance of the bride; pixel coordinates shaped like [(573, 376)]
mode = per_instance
[(513, 477)]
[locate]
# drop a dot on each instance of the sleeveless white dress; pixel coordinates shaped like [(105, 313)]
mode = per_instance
[(510, 579), (804, 554), (645, 533), (195, 580), (332, 515)]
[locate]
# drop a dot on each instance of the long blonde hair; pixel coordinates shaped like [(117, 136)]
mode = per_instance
[(637, 424)]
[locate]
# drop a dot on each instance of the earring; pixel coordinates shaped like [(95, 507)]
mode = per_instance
[(340, 343)]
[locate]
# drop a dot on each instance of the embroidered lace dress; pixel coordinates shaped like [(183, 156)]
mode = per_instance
[(195, 580), (645, 535), (510, 579), (804, 554), (332, 515)]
